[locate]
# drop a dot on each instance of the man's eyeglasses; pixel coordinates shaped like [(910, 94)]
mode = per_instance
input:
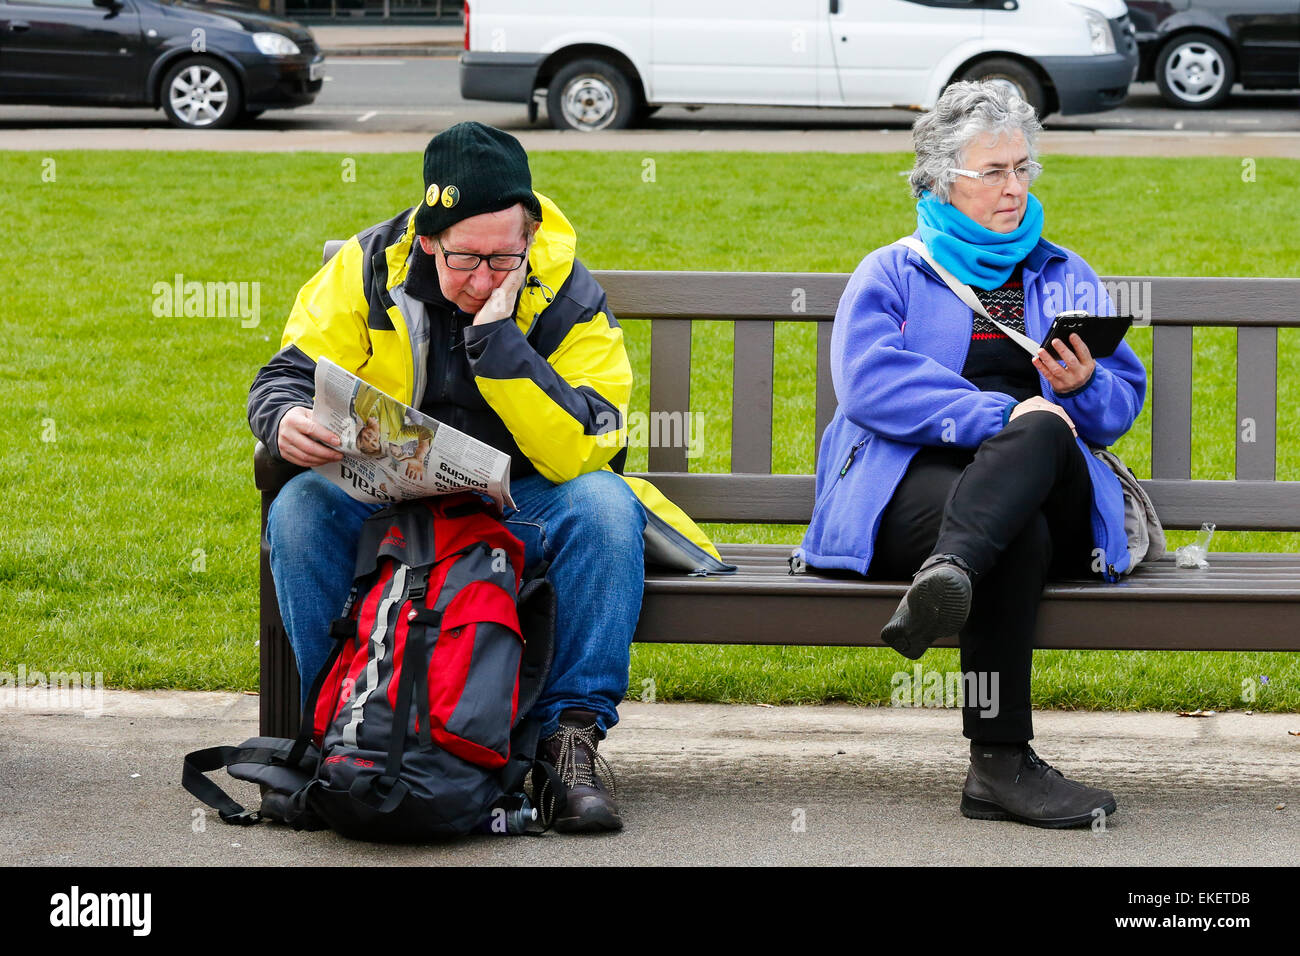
[(468, 261), (996, 177)]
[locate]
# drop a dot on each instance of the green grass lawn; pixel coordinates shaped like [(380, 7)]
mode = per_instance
[(129, 539)]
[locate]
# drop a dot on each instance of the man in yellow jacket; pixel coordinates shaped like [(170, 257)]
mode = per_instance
[(473, 308)]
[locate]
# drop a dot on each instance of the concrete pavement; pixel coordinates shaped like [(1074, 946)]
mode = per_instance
[(699, 784)]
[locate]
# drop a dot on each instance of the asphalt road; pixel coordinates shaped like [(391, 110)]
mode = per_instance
[(421, 94)]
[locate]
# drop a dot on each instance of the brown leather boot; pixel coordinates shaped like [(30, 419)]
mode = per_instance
[(572, 749)]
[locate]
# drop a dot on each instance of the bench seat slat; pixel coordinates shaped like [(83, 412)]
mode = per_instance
[(1230, 576), (763, 604)]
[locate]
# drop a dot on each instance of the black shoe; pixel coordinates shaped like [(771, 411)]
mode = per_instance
[(934, 607), (1011, 782), (572, 749)]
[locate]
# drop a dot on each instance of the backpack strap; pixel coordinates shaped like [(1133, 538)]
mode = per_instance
[(289, 753), (201, 762), (385, 792), (964, 292), (537, 624)]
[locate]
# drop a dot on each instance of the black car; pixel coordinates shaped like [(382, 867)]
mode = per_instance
[(1196, 49), (206, 64)]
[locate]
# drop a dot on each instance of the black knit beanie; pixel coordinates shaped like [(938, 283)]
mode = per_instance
[(471, 169)]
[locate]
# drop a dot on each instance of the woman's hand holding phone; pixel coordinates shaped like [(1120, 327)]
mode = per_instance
[(1074, 367)]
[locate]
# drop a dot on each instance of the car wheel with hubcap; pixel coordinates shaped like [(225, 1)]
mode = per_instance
[(201, 93), (1194, 71)]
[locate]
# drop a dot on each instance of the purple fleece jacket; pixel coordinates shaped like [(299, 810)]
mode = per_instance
[(897, 349)]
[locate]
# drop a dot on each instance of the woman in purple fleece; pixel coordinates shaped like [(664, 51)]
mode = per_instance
[(955, 452)]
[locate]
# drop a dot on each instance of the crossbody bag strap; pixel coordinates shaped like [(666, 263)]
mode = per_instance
[(966, 294)]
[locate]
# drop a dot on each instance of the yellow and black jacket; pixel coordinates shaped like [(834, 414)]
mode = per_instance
[(549, 388)]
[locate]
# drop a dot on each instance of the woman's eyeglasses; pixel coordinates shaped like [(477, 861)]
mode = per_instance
[(996, 177)]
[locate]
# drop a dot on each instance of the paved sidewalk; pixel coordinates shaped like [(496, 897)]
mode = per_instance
[(698, 784)]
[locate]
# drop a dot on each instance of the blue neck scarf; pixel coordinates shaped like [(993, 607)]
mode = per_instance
[(977, 256)]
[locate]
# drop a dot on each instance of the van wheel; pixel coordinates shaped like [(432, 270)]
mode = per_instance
[(1194, 71), (1013, 74), (590, 95)]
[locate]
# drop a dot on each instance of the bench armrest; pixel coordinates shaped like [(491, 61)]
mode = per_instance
[(271, 473)]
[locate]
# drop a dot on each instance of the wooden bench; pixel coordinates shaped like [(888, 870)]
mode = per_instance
[(1241, 602)]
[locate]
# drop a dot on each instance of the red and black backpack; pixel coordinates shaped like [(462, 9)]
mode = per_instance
[(413, 729)]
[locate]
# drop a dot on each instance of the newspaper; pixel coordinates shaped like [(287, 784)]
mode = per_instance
[(392, 452)]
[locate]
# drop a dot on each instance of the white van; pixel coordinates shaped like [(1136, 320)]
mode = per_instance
[(608, 65)]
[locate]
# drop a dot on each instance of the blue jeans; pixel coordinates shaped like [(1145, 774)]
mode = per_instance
[(590, 529)]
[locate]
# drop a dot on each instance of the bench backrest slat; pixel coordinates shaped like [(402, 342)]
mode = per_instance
[(788, 499), (1215, 300), (1256, 424), (788, 296), (670, 388), (751, 403), (1171, 402)]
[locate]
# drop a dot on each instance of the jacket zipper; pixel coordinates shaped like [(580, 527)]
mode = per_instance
[(848, 463), (853, 453), (449, 358)]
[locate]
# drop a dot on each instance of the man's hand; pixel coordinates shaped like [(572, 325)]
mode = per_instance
[(1040, 404), (501, 304), (305, 443), (1078, 368)]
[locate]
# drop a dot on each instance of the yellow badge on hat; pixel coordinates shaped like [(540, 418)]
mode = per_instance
[(450, 196), (431, 197)]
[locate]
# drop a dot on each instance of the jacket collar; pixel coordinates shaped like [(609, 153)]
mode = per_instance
[(1034, 263)]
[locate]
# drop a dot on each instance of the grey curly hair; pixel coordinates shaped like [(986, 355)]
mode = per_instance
[(965, 111)]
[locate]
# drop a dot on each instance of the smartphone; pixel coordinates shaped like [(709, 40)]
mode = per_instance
[(1101, 333)]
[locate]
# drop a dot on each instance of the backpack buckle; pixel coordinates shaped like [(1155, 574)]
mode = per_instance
[(417, 590), (245, 818)]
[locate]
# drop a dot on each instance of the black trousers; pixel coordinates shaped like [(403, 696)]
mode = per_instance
[(1017, 510)]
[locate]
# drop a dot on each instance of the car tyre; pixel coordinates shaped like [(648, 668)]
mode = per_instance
[(1195, 71), (1014, 74), (590, 95), (201, 93)]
